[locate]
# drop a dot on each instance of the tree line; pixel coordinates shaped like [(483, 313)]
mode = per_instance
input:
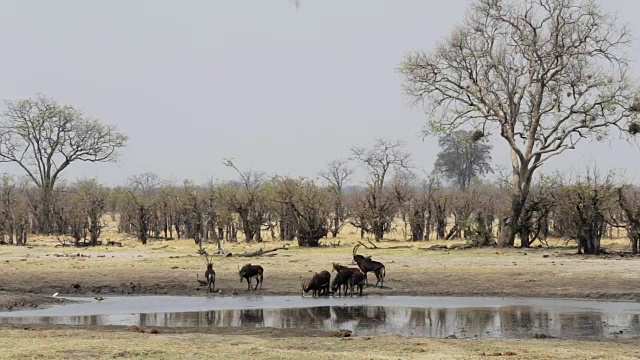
[(584, 209)]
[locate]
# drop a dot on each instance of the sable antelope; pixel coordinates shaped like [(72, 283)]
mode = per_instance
[(338, 268), (318, 284), (341, 280), (210, 275), (357, 279), (249, 271), (366, 265)]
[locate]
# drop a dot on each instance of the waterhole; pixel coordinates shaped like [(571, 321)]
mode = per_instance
[(438, 317)]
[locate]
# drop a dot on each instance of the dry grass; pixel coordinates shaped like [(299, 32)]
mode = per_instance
[(82, 344)]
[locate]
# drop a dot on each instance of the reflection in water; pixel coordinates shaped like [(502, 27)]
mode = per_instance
[(507, 321)]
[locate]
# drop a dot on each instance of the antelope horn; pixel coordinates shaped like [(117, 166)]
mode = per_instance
[(355, 249)]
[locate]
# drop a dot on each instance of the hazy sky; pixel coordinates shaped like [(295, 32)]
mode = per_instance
[(278, 90)]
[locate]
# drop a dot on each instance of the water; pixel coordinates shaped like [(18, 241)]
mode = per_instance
[(463, 317)]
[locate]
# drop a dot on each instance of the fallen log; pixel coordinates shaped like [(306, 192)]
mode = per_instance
[(460, 246), (261, 251), (160, 237), (375, 247), (435, 247)]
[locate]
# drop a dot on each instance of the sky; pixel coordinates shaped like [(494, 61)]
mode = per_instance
[(278, 89)]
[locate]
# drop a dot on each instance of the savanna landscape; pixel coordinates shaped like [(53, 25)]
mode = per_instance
[(540, 78)]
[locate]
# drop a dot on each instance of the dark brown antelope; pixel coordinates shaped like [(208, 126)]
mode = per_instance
[(338, 268), (341, 281), (356, 280), (367, 265), (318, 284), (250, 271), (210, 274)]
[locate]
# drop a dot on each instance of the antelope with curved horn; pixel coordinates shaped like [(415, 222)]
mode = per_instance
[(318, 284), (367, 265), (210, 274)]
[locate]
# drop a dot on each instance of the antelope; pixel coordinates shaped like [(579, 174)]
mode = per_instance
[(342, 277), (318, 284), (338, 268), (210, 275), (366, 265), (249, 271), (356, 279), (341, 282)]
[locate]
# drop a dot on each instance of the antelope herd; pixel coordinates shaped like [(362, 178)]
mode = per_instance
[(346, 280)]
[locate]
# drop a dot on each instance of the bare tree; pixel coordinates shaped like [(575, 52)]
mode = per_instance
[(93, 197), (78, 211), (337, 174), (14, 212), (440, 204), (414, 201), (248, 199), (582, 208), (141, 201), (534, 221), (310, 205), (43, 138), (381, 161), (544, 73), (629, 215)]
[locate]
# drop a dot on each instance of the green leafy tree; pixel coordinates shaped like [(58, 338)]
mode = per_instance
[(463, 157)]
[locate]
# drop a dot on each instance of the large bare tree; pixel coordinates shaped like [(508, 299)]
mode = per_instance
[(545, 74), (43, 138)]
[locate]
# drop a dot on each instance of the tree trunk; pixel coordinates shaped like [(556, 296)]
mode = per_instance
[(520, 191), (247, 229), (44, 219), (510, 226), (143, 226), (524, 237), (378, 230), (441, 228)]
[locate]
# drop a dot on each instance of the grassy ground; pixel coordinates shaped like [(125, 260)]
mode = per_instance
[(31, 274), (71, 343)]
